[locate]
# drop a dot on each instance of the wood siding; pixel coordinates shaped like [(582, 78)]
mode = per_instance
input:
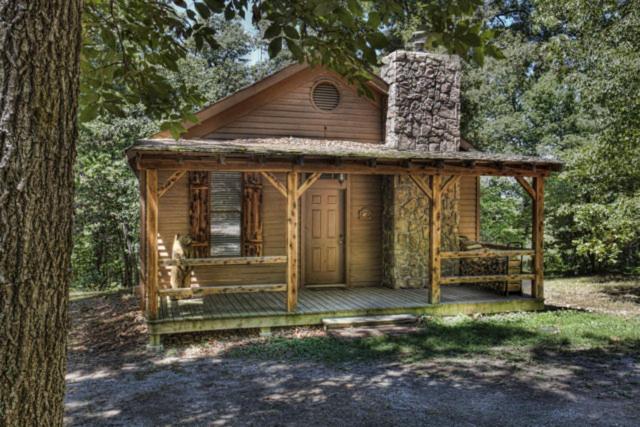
[(174, 219), (364, 253), (364, 233), (289, 111), (469, 202)]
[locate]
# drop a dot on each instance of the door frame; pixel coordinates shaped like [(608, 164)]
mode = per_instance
[(345, 188)]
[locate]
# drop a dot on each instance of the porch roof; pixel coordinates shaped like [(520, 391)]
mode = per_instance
[(289, 147)]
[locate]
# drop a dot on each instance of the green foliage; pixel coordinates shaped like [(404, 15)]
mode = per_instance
[(567, 88), (105, 253), (505, 212), (130, 44), (106, 231)]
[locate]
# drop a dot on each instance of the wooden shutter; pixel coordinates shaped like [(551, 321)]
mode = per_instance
[(226, 214), (252, 214), (199, 212)]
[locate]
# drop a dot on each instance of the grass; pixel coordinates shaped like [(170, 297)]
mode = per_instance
[(519, 335), (611, 295)]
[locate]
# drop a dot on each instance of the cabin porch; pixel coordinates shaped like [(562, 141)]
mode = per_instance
[(198, 290), (265, 310)]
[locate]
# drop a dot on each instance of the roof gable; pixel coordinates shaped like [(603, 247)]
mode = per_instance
[(272, 88)]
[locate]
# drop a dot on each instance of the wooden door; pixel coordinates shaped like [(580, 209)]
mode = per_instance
[(324, 233)]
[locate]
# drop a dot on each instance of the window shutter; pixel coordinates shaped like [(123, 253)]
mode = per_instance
[(199, 212), (252, 214), (226, 214)]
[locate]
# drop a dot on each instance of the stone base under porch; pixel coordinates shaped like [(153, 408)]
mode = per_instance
[(266, 310)]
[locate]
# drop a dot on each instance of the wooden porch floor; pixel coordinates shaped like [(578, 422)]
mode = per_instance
[(371, 299)]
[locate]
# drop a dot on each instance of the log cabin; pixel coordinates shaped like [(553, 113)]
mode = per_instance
[(296, 200)]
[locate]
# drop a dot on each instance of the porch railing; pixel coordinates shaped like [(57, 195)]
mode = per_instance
[(487, 253), (182, 267)]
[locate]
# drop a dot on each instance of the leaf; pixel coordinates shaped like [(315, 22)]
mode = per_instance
[(180, 3), (493, 51), (89, 112), (471, 39), (354, 7), (378, 40), (274, 30), (478, 56), (229, 13), (291, 32), (216, 6), (296, 51), (324, 8), (203, 10), (374, 19), (275, 47)]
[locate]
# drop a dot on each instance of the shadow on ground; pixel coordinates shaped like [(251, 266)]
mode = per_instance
[(623, 293), (460, 372)]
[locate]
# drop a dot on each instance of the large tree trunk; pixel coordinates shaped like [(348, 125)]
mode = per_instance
[(40, 46)]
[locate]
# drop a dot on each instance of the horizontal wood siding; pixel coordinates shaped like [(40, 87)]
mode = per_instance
[(173, 218), (469, 207), (365, 254), (290, 112)]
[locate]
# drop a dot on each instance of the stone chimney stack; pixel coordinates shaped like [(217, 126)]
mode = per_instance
[(424, 100), (423, 113)]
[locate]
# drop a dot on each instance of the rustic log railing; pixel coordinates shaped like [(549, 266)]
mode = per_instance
[(201, 291), (433, 188), (487, 253), (182, 266), (193, 262)]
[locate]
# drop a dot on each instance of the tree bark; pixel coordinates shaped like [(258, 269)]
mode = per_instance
[(40, 44)]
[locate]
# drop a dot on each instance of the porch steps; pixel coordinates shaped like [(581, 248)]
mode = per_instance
[(350, 322)]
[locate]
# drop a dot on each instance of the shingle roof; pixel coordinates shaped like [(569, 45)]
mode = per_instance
[(323, 148)]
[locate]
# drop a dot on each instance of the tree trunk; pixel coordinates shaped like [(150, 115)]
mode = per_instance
[(40, 44)]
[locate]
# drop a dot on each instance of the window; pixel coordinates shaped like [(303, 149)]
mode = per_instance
[(326, 96), (225, 213)]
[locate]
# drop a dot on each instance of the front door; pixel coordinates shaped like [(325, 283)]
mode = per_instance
[(324, 235)]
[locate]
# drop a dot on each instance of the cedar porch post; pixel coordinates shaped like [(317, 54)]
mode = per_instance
[(434, 239), (537, 287), (292, 241), (151, 234)]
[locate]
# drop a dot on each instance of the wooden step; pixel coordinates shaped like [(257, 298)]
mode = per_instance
[(348, 322)]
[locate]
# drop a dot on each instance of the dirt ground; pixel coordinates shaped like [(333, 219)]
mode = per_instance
[(113, 381)]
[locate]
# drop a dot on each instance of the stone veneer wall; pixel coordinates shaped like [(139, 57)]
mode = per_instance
[(423, 111), (405, 236), (422, 114)]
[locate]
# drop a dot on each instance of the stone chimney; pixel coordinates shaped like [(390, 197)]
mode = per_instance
[(423, 110), (423, 113)]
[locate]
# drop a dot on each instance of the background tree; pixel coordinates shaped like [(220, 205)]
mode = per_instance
[(127, 48), (567, 88)]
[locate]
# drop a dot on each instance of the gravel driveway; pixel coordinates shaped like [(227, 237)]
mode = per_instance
[(111, 381)]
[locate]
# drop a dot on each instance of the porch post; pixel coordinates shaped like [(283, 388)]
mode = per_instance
[(292, 241), (537, 238), (434, 239), (151, 234)]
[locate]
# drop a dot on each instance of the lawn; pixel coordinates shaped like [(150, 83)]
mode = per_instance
[(514, 336), (586, 314)]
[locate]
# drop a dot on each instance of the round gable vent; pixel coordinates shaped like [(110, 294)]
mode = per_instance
[(326, 96)]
